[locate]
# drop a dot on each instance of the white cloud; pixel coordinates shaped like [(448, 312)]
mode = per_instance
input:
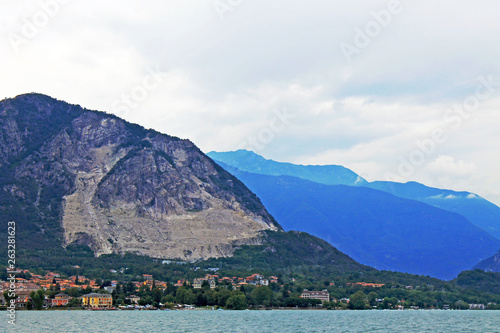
[(447, 197), (446, 165)]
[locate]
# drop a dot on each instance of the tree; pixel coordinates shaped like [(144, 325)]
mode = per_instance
[(145, 300), (7, 298), (129, 288), (75, 302), (144, 290), (237, 302), (118, 289), (205, 285), (185, 295), (73, 292), (157, 294), (87, 290), (200, 299), (261, 296), (170, 290), (106, 283), (114, 295), (189, 297), (222, 297), (211, 297), (38, 297), (168, 299), (372, 298), (357, 301), (389, 302)]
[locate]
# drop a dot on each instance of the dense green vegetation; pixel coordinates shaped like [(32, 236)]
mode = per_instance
[(299, 260), (291, 253), (479, 280), (223, 296)]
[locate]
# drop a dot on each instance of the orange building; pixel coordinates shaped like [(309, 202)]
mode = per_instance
[(61, 300)]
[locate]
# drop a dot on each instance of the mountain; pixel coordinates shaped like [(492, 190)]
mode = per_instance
[(491, 264), (477, 210), (245, 160), (374, 227), (488, 282), (69, 175)]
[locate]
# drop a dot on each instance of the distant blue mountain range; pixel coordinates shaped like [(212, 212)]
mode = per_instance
[(476, 209), (479, 211), (385, 225), (248, 161)]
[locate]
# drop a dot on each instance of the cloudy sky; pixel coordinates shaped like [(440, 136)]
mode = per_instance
[(395, 90)]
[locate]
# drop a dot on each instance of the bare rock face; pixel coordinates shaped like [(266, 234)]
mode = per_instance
[(90, 178), (491, 264)]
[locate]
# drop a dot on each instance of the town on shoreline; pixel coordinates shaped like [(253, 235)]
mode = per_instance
[(54, 291)]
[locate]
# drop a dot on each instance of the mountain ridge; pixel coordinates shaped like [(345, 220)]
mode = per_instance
[(71, 175), (374, 227), (476, 209), (326, 174)]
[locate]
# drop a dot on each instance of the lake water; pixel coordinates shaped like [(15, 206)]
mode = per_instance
[(254, 321)]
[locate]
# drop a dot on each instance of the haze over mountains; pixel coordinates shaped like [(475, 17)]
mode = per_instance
[(374, 227)]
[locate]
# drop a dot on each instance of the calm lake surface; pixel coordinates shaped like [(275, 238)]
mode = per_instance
[(254, 321)]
